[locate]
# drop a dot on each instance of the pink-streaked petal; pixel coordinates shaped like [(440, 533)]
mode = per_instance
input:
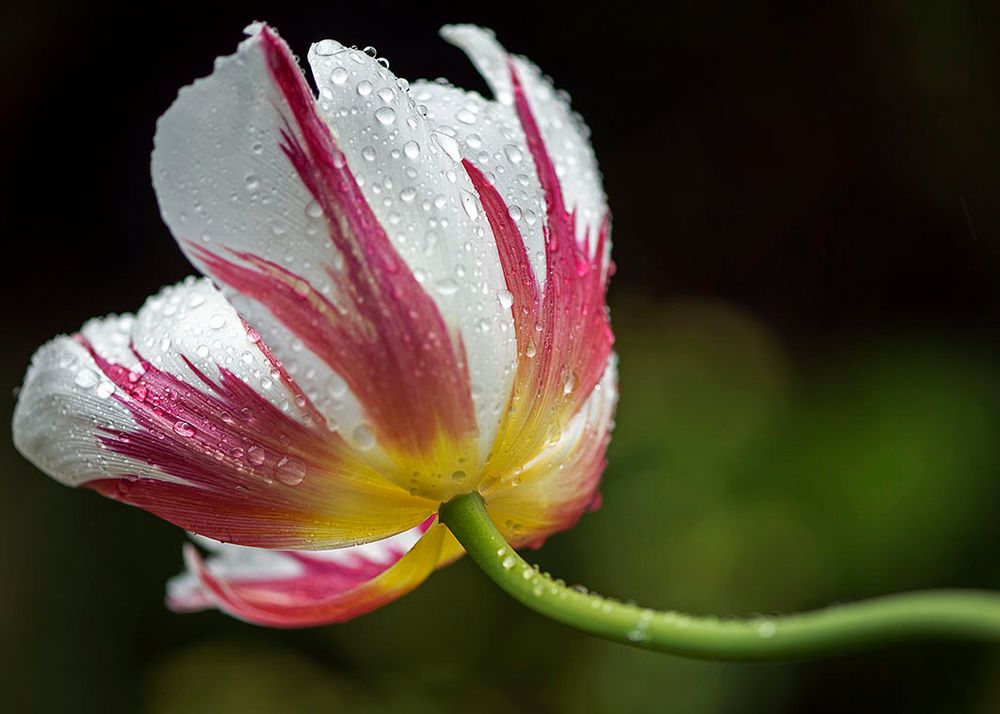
[(302, 589), (182, 411), (561, 483), (409, 173), (561, 325), (368, 263), (563, 131)]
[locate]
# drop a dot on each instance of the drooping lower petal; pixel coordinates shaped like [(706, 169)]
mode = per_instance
[(301, 589), (183, 412)]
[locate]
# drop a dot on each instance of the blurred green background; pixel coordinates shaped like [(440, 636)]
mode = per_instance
[(806, 310)]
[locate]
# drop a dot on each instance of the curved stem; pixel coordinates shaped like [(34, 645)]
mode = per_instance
[(964, 614)]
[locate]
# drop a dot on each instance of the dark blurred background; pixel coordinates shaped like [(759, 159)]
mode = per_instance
[(807, 229)]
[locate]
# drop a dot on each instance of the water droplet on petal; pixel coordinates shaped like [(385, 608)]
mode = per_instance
[(290, 470), (255, 455), (314, 210), (411, 149), (449, 146), (446, 286), (385, 115), (338, 75), (326, 48), (363, 436), (570, 382), (470, 205), (182, 428), (513, 154)]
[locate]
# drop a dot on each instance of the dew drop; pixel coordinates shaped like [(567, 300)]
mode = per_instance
[(513, 154), (385, 115), (766, 629), (182, 428), (449, 146), (326, 48), (411, 149), (290, 470), (364, 88), (363, 436), (570, 382), (255, 455), (338, 75), (470, 205), (314, 210), (446, 286), (506, 299)]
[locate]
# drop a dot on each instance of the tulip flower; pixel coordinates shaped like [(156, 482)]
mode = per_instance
[(401, 348), (409, 307)]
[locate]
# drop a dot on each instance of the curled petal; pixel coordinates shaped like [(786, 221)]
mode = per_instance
[(182, 411), (301, 589)]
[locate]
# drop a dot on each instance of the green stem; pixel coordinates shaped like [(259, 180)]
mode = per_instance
[(964, 614)]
